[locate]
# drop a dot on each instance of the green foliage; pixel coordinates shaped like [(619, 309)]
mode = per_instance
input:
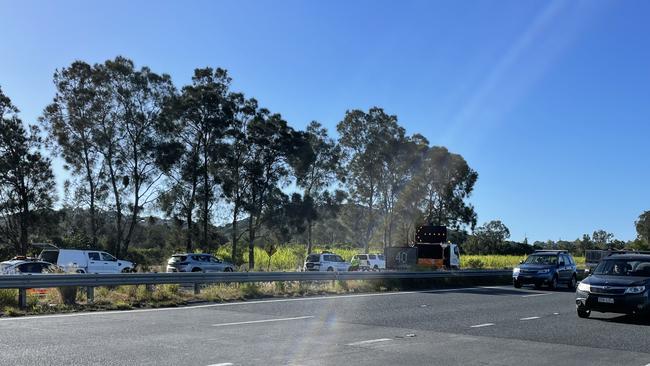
[(8, 297), (475, 263)]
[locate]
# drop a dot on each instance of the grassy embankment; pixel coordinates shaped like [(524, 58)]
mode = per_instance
[(286, 259)]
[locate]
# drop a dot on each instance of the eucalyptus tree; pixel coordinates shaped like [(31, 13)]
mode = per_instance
[(233, 182), (274, 152), (445, 182), (320, 175), (366, 138), (70, 121), (26, 178), (138, 101), (200, 117)]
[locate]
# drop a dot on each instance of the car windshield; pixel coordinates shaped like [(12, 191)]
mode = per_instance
[(622, 267), (541, 259), (4, 266)]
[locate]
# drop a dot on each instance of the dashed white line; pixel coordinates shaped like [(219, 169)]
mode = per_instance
[(530, 318), (222, 364), (482, 325), (533, 295), (370, 341), (263, 321)]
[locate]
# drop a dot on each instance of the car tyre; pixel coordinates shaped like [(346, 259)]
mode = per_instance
[(196, 269), (375, 268), (553, 284), (126, 270), (227, 269), (330, 269), (517, 284), (583, 313), (573, 283)]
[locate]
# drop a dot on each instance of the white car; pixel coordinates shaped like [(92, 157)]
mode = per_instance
[(85, 261), (326, 262), (23, 265), (373, 261), (195, 262)]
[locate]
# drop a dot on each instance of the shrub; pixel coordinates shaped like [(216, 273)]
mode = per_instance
[(8, 297), (475, 263)]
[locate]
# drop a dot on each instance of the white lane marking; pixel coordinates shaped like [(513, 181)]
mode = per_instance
[(530, 318), (482, 325), (370, 341), (559, 314), (263, 321), (118, 312), (222, 364), (533, 295)]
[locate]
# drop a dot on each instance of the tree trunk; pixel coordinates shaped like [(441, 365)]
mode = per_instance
[(251, 244), (309, 243), (24, 223), (188, 239), (206, 197), (190, 208), (118, 209), (233, 255), (91, 188)]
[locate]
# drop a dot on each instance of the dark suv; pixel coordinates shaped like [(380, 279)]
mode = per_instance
[(619, 284), (546, 267)]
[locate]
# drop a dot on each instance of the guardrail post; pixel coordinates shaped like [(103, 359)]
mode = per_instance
[(22, 298), (197, 288), (90, 294)]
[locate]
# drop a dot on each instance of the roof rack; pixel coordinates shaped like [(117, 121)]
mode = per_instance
[(620, 252), (550, 251)]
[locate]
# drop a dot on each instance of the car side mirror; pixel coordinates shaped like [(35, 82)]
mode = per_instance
[(521, 262)]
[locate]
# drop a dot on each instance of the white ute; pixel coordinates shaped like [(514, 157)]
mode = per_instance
[(84, 261)]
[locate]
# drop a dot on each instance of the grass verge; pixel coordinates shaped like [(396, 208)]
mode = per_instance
[(143, 296)]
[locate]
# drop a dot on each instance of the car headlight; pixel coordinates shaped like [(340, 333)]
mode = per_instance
[(584, 287), (635, 290), (543, 271), (516, 270)]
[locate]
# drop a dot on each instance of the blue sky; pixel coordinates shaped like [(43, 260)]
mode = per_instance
[(548, 100)]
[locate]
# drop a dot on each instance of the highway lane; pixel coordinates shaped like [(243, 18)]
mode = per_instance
[(474, 326)]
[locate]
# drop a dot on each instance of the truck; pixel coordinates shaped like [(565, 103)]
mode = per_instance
[(429, 248)]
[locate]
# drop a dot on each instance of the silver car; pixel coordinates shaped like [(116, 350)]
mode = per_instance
[(194, 262)]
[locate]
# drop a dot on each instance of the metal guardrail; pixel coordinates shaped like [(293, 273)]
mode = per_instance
[(90, 281)]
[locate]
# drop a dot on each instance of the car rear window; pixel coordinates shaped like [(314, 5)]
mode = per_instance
[(372, 256), (51, 256), (363, 256), (381, 257), (313, 258), (177, 258)]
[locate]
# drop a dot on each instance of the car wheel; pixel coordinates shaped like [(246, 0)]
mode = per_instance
[(227, 269), (196, 269), (126, 270), (80, 271), (330, 269), (573, 283), (538, 286), (583, 313), (517, 284), (553, 284), (375, 268)]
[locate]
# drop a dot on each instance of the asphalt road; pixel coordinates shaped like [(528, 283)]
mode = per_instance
[(476, 326)]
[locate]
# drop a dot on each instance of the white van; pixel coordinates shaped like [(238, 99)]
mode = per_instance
[(84, 261)]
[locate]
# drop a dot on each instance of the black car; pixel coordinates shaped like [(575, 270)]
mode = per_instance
[(546, 267), (619, 284)]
